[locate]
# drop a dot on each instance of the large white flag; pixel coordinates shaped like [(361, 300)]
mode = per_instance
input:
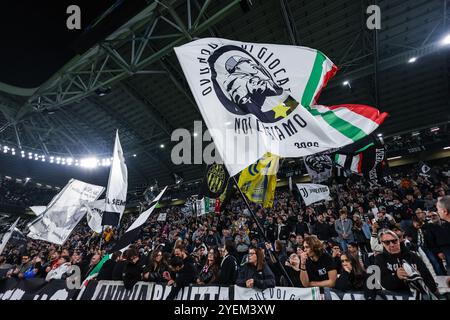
[(116, 193), (64, 212), (311, 192), (7, 236), (258, 98)]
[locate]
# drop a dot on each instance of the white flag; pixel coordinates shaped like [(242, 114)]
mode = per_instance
[(7, 236), (311, 192), (116, 193), (94, 215), (64, 212), (162, 217), (38, 210), (258, 98)]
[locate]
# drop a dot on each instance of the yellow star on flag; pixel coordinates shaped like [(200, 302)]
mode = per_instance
[(280, 111)]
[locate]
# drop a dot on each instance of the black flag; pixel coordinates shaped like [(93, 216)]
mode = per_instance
[(215, 181)]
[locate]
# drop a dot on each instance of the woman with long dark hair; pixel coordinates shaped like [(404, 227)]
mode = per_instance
[(352, 277), (210, 271), (157, 265), (256, 273)]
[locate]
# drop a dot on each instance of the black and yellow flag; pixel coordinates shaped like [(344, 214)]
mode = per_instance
[(215, 181)]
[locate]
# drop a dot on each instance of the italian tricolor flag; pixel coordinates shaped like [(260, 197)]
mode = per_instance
[(350, 122), (351, 163)]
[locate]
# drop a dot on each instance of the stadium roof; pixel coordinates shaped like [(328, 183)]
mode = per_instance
[(64, 93)]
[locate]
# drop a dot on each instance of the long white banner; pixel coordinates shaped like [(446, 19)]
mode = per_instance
[(114, 290)]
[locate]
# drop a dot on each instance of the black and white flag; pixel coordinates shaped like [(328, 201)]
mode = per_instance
[(424, 168), (133, 231), (94, 215), (116, 193), (319, 167)]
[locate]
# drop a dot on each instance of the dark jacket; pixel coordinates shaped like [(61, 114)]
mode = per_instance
[(263, 279), (211, 240), (441, 235), (131, 274), (390, 263), (274, 265), (301, 228), (322, 230), (118, 269), (106, 271), (228, 271), (271, 232), (156, 274), (348, 282), (209, 274), (295, 278), (183, 278)]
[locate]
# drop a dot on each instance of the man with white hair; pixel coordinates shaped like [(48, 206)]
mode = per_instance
[(401, 268), (442, 232)]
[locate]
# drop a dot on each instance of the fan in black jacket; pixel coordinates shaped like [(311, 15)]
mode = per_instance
[(185, 274), (394, 261), (256, 273), (106, 272), (132, 272), (228, 266), (155, 268), (352, 277)]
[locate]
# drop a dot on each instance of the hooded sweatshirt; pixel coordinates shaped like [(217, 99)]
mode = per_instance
[(389, 264)]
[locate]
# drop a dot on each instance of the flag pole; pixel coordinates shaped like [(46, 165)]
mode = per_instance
[(262, 232)]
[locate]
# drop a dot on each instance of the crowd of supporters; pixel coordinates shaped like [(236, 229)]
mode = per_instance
[(404, 229), (16, 196)]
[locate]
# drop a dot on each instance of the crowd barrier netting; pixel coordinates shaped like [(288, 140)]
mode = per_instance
[(39, 289)]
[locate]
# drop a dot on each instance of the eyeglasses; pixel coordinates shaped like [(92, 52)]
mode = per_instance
[(388, 242), (251, 253)]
